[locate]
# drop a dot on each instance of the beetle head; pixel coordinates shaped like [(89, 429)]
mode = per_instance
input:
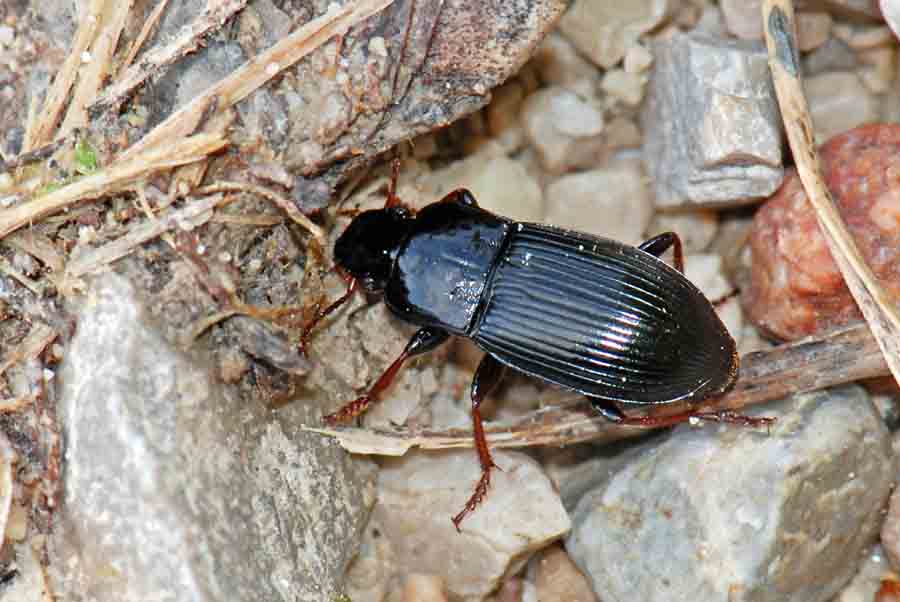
[(369, 245)]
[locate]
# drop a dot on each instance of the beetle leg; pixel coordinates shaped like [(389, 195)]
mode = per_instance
[(660, 243), (487, 377), (392, 199), (321, 315), (425, 340)]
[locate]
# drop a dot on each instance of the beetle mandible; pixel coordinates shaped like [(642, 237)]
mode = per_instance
[(602, 318)]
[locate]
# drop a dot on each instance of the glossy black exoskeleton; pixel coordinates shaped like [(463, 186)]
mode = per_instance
[(602, 318)]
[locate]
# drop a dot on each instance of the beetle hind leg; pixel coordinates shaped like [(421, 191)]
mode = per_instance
[(660, 243), (487, 377)]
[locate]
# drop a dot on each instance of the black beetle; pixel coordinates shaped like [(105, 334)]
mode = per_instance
[(602, 318)]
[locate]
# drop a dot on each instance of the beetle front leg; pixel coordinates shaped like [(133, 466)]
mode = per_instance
[(487, 377), (425, 340)]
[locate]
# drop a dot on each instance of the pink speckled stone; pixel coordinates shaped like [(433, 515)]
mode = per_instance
[(796, 287)]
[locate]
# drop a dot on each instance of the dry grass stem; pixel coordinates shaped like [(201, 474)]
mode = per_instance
[(147, 28), (110, 179), (33, 285), (31, 346), (38, 246), (188, 39), (843, 356), (259, 220), (279, 201), (258, 71), (196, 213), (876, 306), (14, 404), (99, 66), (42, 124)]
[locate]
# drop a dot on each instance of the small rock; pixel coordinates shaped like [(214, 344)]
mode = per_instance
[(638, 59), (863, 37), (624, 86), (564, 128), (706, 272), (813, 30), (839, 102), (711, 135), (697, 229), (557, 578), (370, 574), (503, 114), (723, 512), (613, 203), (742, 18), (418, 493), (796, 288), (833, 55), (856, 9), (603, 31), (7, 35), (880, 67), (423, 588), (559, 64), (499, 184)]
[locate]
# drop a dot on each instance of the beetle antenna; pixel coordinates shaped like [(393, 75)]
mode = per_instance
[(322, 314), (392, 199)]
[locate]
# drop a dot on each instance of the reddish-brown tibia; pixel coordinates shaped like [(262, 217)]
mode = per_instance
[(321, 315), (361, 403)]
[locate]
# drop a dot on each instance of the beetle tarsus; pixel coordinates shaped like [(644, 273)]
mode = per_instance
[(349, 411), (477, 497)]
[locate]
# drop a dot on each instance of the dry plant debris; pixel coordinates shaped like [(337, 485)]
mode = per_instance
[(876, 306)]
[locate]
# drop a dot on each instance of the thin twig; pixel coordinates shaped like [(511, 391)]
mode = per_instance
[(138, 42), (31, 346), (282, 203), (876, 305), (844, 356), (140, 233), (187, 40), (40, 131), (258, 71), (97, 69)]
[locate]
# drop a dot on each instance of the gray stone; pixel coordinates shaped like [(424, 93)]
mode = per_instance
[(723, 512), (613, 202), (418, 493), (867, 581), (712, 130), (838, 101), (176, 489), (603, 31), (565, 129)]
